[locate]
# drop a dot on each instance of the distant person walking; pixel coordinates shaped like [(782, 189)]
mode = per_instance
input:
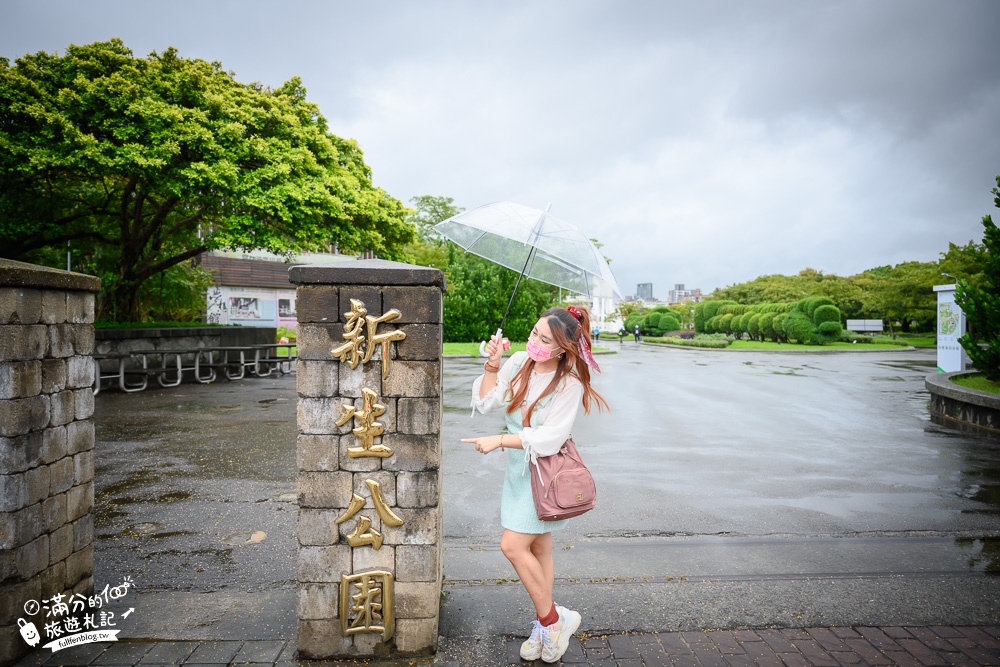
[(636, 333), (621, 334)]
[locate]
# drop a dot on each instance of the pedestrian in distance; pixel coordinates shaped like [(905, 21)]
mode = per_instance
[(621, 334), (636, 333), (541, 392)]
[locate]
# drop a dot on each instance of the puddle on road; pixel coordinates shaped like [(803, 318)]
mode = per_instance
[(983, 554), (174, 496), (133, 481), (142, 529)]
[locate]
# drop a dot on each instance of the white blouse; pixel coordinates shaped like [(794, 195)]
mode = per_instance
[(554, 419)]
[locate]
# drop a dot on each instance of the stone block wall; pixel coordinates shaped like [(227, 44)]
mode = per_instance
[(46, 441), (369, 457), (127, 341)]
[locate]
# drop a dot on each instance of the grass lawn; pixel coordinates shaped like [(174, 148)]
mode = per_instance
[(757, 345), (919, 341), (472, 349), (978, 382)]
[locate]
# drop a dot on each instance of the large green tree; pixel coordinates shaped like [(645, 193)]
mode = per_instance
[(429, 248), (144, 163), (981, 304)]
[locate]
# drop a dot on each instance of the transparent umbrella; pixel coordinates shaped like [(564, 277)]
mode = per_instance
[(534, 243)]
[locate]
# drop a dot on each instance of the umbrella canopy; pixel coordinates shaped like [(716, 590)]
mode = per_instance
[(535, 244)]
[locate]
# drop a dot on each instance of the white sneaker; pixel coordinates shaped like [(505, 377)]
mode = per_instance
[(531, 649), (556, 640)]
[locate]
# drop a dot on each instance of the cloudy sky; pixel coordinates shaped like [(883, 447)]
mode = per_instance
[(703, 143)]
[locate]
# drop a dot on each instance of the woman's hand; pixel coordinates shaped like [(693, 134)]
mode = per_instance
[(495, 348), (486, 443)]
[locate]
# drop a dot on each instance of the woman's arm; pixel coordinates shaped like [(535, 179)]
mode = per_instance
[(494, 350), (492, 397)]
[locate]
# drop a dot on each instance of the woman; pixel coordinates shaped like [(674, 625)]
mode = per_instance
[(541, 391)]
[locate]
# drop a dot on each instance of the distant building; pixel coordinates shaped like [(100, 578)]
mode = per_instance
[(680, 295), (252, 289), (644, 291)]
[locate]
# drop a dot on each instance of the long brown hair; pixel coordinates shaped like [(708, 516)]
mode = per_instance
[(567, 331)]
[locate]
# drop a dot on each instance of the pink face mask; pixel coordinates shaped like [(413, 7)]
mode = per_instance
[(538, 353)]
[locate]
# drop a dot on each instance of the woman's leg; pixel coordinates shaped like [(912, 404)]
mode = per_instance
[(535, 577), (541, 548)]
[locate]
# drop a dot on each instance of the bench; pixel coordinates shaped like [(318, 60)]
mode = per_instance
[(172, 366), (122, 371), (266, 358), (169, 366)]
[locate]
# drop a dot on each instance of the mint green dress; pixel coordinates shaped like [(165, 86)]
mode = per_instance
[(551, 424)]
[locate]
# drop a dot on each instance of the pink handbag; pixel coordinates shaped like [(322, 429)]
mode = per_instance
[(562, 486)]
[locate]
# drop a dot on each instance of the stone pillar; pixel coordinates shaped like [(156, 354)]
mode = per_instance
[(369, 454), (46, 442)]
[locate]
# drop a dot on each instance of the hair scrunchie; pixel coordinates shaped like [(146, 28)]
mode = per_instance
[(582, 341)]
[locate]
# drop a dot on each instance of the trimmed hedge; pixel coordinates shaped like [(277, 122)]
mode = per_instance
[(810, 321)]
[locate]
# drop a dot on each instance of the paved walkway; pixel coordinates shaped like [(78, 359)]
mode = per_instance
[(938, 645)]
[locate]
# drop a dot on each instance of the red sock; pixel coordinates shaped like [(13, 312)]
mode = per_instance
[(551, 617)]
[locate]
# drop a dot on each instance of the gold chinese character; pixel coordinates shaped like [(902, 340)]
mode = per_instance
[(369, 429), (364, 534), (351, 350), (366, 604)]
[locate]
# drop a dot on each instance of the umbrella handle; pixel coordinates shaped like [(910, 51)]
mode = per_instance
[(482, 344)]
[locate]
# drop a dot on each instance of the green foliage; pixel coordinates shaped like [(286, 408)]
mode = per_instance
[(813, 320), (900, 293), (714, 341), (145, 163), (428, 248), (981, 304), (830, 329), (669, 322), (705, 311), (632, 320), (826, 313), (799, 327), (176, 293), (472, 312)]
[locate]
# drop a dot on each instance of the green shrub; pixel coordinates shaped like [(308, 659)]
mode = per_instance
[(669, 323), (778, 325), (826, 313), (830, 329), (705, 311), (753, 325), (798, 326), (703, 340)]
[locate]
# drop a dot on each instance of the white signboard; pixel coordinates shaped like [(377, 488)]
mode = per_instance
[(950, 327)]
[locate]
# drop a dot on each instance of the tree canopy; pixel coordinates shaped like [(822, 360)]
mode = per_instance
[(144, 163), (981, 303), (901, 293)]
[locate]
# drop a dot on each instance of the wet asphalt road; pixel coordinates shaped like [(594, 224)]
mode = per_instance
[(735, 490)]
